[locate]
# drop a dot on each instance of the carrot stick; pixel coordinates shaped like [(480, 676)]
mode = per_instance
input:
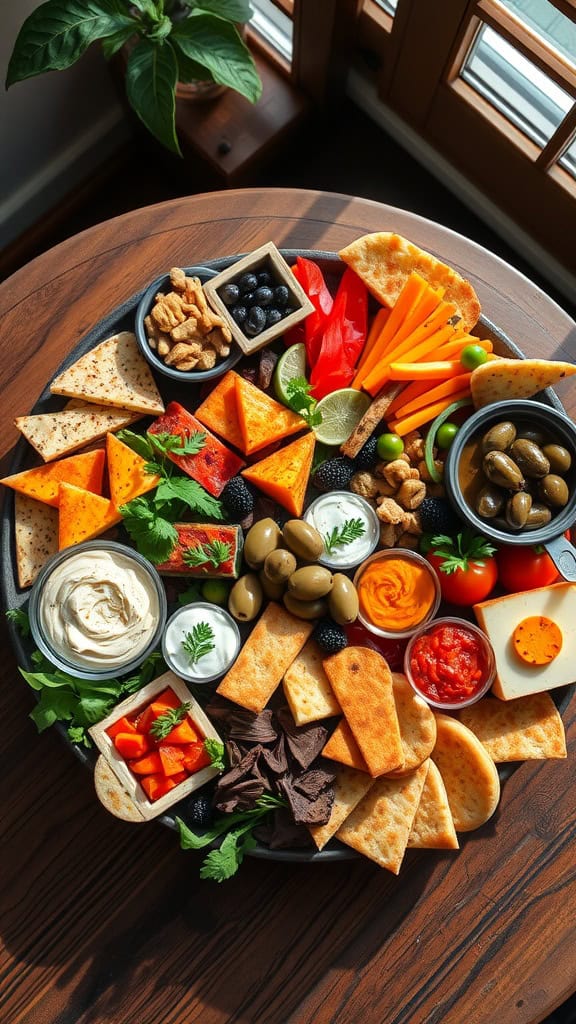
[(434, 332), (412, 291), (427, 397), (425, 415), (410, 391), (425, 371), (452, 349), (376, 329)]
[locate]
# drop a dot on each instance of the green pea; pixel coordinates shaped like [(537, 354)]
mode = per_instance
[(389, 447), (472, 356), (446, 434)]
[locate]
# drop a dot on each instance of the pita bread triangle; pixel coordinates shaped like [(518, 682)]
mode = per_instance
[(42, 482), (83, 515), (36, 536), (433, 827), (504, 379), (55, 434), (114, 373), (127, 476)]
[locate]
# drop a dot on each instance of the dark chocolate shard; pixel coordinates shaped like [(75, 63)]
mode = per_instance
[(241, 797), (305, 742)]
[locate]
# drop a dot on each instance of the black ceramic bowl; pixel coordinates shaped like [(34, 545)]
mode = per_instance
[(557, 426)]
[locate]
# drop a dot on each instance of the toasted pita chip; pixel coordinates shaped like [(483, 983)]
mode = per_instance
[(83, 515), (306, 687), (468, 773), (504, 379), (362, 683), (380, 824), (43, 482), (528, 728), (417, 724), (265, 656), (114, 373), (384, 261), (350, 787), (342, 747), (433, 827), (55, 434), (112, 795), (36, 535), (127, 475)]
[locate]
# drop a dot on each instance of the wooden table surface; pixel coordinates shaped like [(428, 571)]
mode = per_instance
[(103, 921)]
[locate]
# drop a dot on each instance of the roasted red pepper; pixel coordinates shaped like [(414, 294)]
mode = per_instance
[(309, 275), (343, 337)]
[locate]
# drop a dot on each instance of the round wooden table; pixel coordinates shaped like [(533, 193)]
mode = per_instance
[(103, 921)]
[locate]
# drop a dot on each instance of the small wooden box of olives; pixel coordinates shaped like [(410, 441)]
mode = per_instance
[(258, 297)]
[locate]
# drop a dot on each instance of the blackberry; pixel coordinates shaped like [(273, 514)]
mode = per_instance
[(199, 811), (367, 456), (238, 498), (334, 474), (330, 636), (437, 516)]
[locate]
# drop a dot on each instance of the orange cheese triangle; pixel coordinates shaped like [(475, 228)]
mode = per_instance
[(283, 475), (262, 419), (219, 412), (83, 515), (43, 482), (126, 473)]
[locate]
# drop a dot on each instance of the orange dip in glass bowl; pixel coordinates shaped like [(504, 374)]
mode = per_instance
[(398, 592)]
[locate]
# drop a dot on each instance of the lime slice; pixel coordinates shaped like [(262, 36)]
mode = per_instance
[(341, 413), (292, 363)]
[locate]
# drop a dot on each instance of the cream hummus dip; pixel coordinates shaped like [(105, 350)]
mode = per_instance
[(99, 609)]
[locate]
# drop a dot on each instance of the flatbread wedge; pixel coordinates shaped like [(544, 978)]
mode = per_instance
[(306, 687), (350, 787), (36, 536), (112, 795), (417, 724), (342, 747), (524, 729), (114, 373), (380, 824), (504, 379), (56, 434), (433, 827), (468, 773), (384, 261)]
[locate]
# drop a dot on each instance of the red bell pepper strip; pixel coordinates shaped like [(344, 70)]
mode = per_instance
[(343, 338), (309, 275)]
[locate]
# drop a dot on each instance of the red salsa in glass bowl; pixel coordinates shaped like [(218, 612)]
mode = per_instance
[(450, 663)]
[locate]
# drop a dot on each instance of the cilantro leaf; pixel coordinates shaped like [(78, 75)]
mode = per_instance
[(154, 536), (139, 443), (190, 492), (77, 734), (174, 444), (223, 863), (460, 551), (215, 750), (300, 400)]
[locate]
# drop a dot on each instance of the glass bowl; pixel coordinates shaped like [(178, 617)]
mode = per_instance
[(489, 663), (216, 662), (332, 510), (162, 284), (97, 609), (401, 590)]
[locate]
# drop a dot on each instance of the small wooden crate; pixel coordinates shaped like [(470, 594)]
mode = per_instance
[(117, 763), (268, 258)]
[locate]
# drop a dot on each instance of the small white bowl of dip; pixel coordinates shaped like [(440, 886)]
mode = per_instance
[(225, 643), (330, 511), (97, 609)]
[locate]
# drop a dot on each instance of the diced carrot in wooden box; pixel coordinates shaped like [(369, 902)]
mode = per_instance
[(131, 744)]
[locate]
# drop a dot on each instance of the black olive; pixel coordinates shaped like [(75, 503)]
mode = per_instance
[(249, 298), (281, 296), (239, 313), (263, 296), (229, 293), (255, 321), (248, 282), (264, 279), (273, 316)]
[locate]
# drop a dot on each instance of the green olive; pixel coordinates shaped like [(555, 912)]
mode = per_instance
[(279, 565), (273, 591), (499, 437), (343, 600), (517, 509), (245, 600), (305, 609), (559, 458), (554, 490), (310, 582), (303, 540), (261, 539), (539, 515), (529, 458), (501, 470), (489, 502)]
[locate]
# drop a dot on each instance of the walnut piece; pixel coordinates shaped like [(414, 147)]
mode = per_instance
[(389, 511), (411, 494)]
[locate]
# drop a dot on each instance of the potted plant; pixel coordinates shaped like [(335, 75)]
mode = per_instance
[(167, 41)]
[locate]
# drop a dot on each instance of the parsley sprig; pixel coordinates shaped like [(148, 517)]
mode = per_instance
[(301, 401), (198, 642), (339, 536), (238, 832), (460, 551), (168, 720), (216, 753), (213, 552)]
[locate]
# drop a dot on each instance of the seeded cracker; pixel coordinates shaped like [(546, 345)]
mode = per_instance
[(114, 373), (433, 827), (524, 729), (36, 536), (56, 434)]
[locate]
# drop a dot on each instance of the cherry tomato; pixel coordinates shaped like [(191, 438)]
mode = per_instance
[(525, 568), (466, 586), (472, 356)]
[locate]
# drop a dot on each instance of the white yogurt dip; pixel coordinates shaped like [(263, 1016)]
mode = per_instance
[(333, 510), (215, 662)]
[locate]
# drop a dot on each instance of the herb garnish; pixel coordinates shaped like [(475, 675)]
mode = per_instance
[(350, 530), (458, 552), (214, 552), (223, 863), (20, 620), (301, 401), (199, 641), (215, 750), (168, 720)]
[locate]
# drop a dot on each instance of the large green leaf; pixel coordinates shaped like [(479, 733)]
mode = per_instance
[(233, 10), (189, 70), (217, 46), (58, 32), (151, 77), (112, 44)]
